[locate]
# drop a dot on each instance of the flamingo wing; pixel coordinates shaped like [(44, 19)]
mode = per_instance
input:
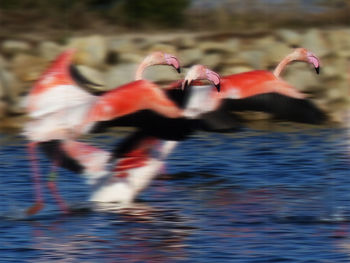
[(280, 106), (162, 127), (152, 124), (95, 163), (78, 157)]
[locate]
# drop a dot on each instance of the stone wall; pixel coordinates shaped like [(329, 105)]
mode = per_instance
[(112, 60)]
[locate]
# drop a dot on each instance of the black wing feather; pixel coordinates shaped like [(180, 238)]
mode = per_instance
[(280, 106)]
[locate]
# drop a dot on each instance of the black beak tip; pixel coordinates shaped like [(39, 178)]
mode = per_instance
[(317, 70), (178, 70), (218, 87), (185, 84)]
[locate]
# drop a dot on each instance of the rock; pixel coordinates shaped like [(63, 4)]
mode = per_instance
[(3, 81), (3, 109), (141, 43), (343, 53), (16, 106), (290, 37), (161, 73), (213, 46), (15, 46), (12, 87), (212, 61), (3, 62), (130, 58), (121, 46), (314, 41), (233, 59), (339, 38), (339, 41), (254, 58), (262, 43), (232, 45), (49, 50), (92, 75), (275, 53), (124, 73), (2, 88), (164, 48), (185, 42), (332, 66), (13, 122), (302, 77), (28, 67), (120, 74), (189, 57), (92, 50), (336, 91)]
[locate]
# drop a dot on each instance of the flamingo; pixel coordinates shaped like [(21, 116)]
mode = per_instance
[(299, 54), (135, 161), (57, 106), (118, 176), (134, 172), (258, 90), (261, 90), (113, 179)]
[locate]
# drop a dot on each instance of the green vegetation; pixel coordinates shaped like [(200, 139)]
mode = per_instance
[(156, 12), (71, 15)]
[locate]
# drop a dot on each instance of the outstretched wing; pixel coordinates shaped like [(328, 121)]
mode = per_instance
[(280, 106)]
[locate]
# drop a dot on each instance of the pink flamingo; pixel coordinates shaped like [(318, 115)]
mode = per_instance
[(255, 82), (120, 175), (57, 106), (261, 90)]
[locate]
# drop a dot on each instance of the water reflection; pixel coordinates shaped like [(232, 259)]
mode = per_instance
[(134, 234)]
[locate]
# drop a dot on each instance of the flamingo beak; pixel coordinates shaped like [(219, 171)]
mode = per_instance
[(317, 70), (214, 78), (185, 84), (312, 59), (173, 61)]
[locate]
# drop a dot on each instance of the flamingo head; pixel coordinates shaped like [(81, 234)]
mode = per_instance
[(201, 72), (161, 58), (304, 55)]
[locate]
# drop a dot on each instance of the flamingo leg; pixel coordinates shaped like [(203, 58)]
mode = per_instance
[(51, 184), (39, 204)]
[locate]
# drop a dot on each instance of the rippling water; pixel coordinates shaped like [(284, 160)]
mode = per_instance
[(252, 196)]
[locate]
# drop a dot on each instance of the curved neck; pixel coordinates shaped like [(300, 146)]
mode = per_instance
[(280, 67), (141, 68)]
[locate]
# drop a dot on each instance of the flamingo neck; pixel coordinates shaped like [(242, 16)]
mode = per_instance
[(280, 67), (140, 70)]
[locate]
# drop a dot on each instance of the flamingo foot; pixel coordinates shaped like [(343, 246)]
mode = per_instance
[(35, 208)]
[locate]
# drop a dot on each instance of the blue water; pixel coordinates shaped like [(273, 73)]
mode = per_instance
[(252, 196)]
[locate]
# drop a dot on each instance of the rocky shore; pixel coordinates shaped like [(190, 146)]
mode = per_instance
[(111, 61)]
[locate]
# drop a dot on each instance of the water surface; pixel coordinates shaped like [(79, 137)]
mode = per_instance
[(252, 196)]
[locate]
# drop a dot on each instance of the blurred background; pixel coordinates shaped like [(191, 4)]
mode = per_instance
[(229, 36)]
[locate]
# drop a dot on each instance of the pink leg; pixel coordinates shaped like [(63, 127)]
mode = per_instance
[(53, 189), (39, 204)]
